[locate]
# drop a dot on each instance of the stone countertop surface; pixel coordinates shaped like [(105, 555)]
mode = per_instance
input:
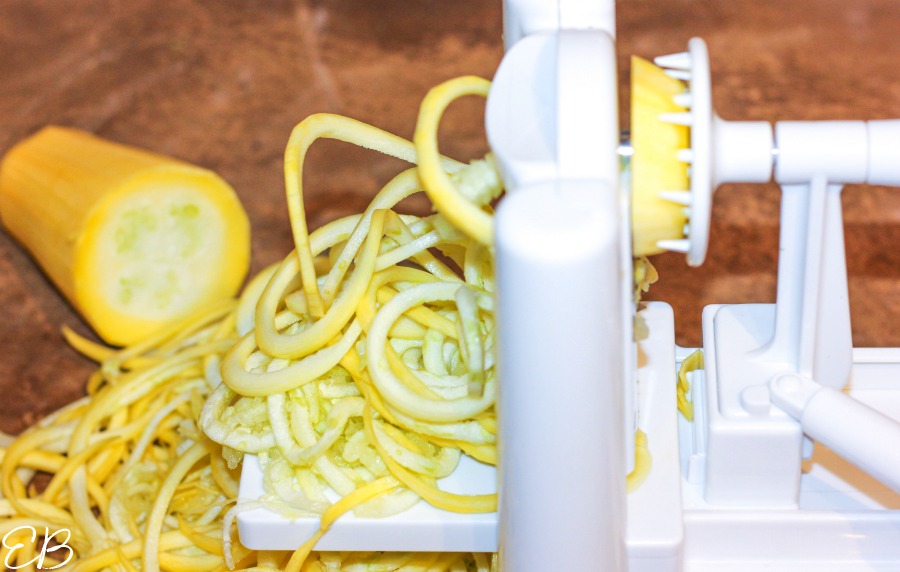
[(221, 84)]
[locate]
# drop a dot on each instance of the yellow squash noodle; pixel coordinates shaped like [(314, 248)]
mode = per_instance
[(458, 208)]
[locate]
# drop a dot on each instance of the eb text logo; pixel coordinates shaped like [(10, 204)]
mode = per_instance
[(52, 543)]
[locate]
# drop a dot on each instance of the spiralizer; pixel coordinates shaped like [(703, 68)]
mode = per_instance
[(792, 460)]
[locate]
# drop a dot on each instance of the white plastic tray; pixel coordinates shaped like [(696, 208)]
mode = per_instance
[(421, 528)]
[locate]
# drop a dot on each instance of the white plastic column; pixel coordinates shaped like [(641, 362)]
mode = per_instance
[(523, 18), (562, 471), (812, 323), (562, 244)]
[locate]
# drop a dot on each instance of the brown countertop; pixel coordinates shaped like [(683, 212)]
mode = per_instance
[(221, 84)]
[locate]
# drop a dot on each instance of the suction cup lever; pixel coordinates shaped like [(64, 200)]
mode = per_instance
[(860, 434)]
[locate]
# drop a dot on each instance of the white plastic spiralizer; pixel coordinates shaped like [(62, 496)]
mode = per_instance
[(792, 461)]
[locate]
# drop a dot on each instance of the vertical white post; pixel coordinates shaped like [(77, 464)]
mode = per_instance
[(812, 325), (562, 470)]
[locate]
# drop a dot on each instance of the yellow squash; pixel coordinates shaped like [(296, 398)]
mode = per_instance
[(654, 165), (132, 239)]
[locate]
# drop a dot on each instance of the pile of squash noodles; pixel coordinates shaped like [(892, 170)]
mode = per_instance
[(363, 363), (366, 365)]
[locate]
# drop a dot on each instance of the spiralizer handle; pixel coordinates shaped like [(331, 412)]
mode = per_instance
[(860, 434)]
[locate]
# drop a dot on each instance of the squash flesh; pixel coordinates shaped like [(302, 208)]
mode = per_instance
[(654, 165)]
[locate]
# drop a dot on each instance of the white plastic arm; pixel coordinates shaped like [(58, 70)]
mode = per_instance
[(853, 430)]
